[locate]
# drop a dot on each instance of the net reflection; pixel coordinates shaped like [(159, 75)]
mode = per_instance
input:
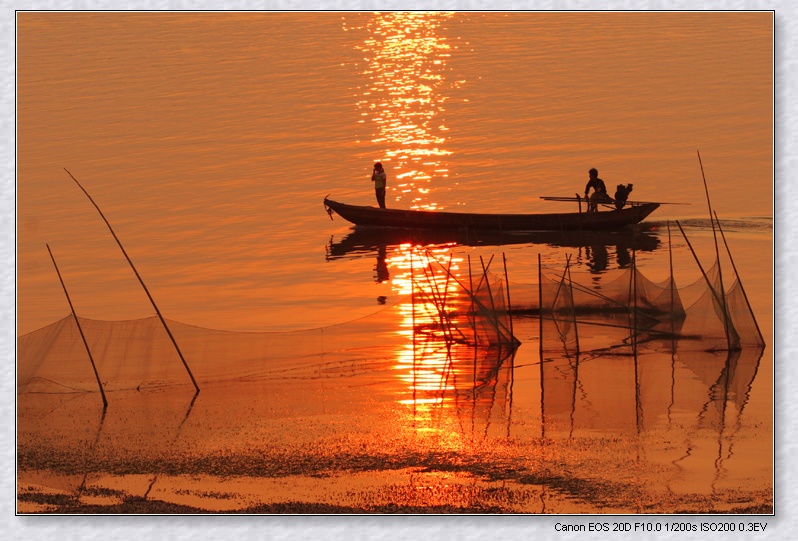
[(404, 100), (457, 337)]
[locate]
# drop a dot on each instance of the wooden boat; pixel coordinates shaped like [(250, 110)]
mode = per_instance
[(439, 220)]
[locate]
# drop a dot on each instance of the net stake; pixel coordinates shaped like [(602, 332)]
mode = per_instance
[(80, 329), (739, 280), (717, 258), (147, 291)]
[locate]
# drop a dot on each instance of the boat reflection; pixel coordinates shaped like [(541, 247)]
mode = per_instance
[(594, 248)]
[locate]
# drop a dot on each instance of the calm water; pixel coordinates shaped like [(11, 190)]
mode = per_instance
[(210, 140)]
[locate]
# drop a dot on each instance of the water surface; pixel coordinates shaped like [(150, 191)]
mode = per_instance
[(209, 140)]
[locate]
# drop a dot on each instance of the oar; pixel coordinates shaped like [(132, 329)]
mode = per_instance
[(565, 198)]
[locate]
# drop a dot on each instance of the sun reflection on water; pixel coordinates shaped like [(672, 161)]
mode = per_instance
[(404, 100), (443, 374), (424, 363)]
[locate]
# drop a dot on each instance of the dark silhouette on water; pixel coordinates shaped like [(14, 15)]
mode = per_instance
[(379, 178), (360, 242)]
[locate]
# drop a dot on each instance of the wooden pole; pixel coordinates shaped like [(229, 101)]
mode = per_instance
[(734, 267), (698, 262), (634, 294), (634, 274), (672, 281), (80, 329), (413, 325), (507, 282), (540, 324), (495, 323), (498, 325), (441, 299), (490, 295), (717, 258), (709, 283), (147, 291), (573, 306), (672, 286), (540, 311), (471, 308)]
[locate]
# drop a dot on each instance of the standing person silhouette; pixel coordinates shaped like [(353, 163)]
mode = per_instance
[(599, 191), (380, 179)]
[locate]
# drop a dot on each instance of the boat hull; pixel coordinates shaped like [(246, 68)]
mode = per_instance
[(438, 220)]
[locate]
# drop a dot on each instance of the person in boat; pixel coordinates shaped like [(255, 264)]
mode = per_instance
[(599, 191), (622, 194), (380, 179)]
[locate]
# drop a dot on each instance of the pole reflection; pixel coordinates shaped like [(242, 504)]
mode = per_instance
[(404, 100), (450, 365), (425, 362)]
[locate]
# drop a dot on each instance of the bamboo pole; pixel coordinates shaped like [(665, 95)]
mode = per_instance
[(634, 275), (471, 298), (559, 290), (136, 272), (485, 269), (634, 293), (717, 258), (706, 278), (413, 329), (698, 262), (630, 300), (510, 393), (449, 276), (734, 267), (540, 311), (441, 299), (476, 340), (507, 286), (672, 281), (672, 286), (490, 295), (554, 316), (540, 331), (80, 329), (638, 406), (498, 324), (638, 402), (573, 307)]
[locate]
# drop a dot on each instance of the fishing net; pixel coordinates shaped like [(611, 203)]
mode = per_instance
[(138, 353), (704, 315), (440, 317), (443, 311)]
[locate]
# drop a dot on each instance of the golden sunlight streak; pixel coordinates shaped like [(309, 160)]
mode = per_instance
[(406, 65), (425, 363)]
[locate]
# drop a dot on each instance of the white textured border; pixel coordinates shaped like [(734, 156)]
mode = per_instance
[(194, 528)]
